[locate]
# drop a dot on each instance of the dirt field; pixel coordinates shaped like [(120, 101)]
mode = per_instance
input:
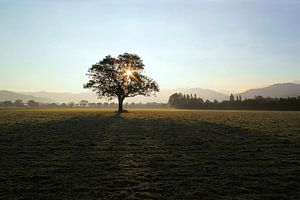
[(149, 154)]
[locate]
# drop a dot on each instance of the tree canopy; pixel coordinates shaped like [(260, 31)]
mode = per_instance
[(120, 77)]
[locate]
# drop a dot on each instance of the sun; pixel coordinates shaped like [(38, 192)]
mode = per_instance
[(128, 73)]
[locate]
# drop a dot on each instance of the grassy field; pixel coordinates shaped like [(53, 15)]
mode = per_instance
[(149, 154)]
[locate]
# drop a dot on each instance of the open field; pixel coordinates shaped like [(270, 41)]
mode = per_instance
[(149, 154)]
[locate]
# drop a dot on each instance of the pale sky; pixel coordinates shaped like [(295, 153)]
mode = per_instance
[(227, 45)]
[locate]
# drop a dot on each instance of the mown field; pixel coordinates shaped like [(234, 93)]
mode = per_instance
[(149, 154)]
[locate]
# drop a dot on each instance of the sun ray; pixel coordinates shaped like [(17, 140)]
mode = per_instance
[(128, 73)]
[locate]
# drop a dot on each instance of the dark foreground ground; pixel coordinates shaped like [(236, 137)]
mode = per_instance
[(94, 154)]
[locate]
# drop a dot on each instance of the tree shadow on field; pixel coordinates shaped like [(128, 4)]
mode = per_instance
[(118, 157)]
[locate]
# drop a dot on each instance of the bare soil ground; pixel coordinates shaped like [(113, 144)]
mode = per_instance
[(149, 154)]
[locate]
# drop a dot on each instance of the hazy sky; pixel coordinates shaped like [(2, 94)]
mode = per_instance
[(217, 44)]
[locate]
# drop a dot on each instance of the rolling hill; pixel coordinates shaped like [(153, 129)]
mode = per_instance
[(161, 97), (280, 90), (65, 97), (6, 95)]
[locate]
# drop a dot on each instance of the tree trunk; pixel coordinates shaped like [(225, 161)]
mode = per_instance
[(120, 104)]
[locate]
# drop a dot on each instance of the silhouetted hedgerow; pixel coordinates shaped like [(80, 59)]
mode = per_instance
[(186, 101)]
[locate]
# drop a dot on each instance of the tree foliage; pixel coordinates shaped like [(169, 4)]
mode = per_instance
[(120, 78), (181, 101), (32, 103)]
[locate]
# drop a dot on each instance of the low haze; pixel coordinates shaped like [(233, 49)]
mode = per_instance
[(221, 45)]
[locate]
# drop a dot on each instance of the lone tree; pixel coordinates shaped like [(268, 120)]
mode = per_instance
[(120, 77)]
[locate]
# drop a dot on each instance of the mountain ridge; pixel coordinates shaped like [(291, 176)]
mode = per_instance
[(6, 95), (278, 90), (161, 97)]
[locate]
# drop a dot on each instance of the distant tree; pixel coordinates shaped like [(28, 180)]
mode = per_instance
[(64, 105), (32, 103), (200, 101), (207, 101), (120, 78), (7, 104), (231, 98), (83, 103), (112, 105), (92, 105), (174, 99), (52, 105), (71, 104), (259, 98), (18, 103), (105, 105), (99, 105), (178, 100)]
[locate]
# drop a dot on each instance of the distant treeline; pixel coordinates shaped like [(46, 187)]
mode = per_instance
[(82, 104), (188, 101)]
